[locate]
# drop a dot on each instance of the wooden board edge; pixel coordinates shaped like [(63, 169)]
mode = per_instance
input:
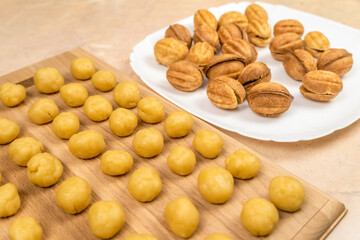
[(334, 224)]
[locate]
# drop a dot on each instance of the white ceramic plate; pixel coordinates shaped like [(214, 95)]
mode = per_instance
[(304, 120)]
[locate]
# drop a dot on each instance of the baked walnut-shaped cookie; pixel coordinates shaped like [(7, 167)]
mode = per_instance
[(256, 12), (185, 76), (229, 65), (299, 62), (288, 25), (316, 43), (229, 31), (208, 35), (242, 48), (179, 32), (284, 43), (233, 17), (259, 33), (169, 50), (253, 74), (200, 54), (335, 60), (205, 17)]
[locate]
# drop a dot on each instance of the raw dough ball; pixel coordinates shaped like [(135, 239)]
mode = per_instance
[(116, 162), (73, 195), (151, 110), (182, 217), (25, 228), (181, 160), (82, 68), (138, 236), (122, 122), (9, 130), (286, 193), (208, 143), (216, 184), (22, 149), (44, 169), (9, 200), (218, 236), (127, 94), (148, 142), (106, 218), (259, 216), (178, 124), (12, 94), (243, 164), (48, 80), (74, 94), (43, 111), (97, 108), (103, 80), (145, 184), (65, 125), (86, 144)]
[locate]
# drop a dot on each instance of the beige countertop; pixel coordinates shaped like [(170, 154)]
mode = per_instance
[(33, 30)]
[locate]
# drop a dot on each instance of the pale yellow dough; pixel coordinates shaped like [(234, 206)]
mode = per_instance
[(9, 130), (48, 80), (44, 169), (218, 236), (86, 144), (74, 94), (243, 164), (97, 108), (259, 216), (148, 142), (12, 94), (286, 193), (103, 80), (139, 236), (122, 122), (216, 184), (145, 184), (182, 217), (181, 160), (116, 162), (73, 195), (178, 124), (208, 143), (127, 94), (106, 218), (43, 111), (9, 200), (22, 149), (25, 228), (151, 110), (65, 125), (82, 68)]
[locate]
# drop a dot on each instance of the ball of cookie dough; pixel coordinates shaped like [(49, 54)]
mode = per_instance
[(103, 80), (148, 142), (22, 149), (9, 130), (44, 169), (181, 160), (25, 228), (216, 184), (106, 218), (208, 143), (178, 124), (74, 94), (243, 164), (12, 94), (116, 162), (218, 236), (122, 122), (73, 195), (286, 193), (65, 125), (151, 110), (86, 144), (82, 68), (127, 94), (145, 184), (139, 236), (259, 216), (182, 217), (48, 80), (97, 108), (9, 200), (43, 111)]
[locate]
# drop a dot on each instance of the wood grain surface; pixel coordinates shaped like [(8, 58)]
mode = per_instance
[(318, 215)]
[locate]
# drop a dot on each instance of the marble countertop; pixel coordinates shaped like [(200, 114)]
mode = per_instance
[(34, 30)]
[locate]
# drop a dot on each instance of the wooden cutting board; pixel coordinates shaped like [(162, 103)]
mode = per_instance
[(317, 217)]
